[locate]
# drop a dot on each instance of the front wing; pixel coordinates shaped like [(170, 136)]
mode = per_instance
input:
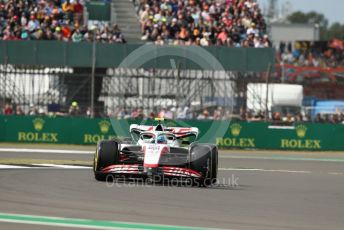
[(134, 170)]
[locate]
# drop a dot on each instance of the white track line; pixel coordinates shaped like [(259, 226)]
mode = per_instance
[(264, 170), (335, 173), (59, 166), (62, 225), (13, 167), (63, 166), (43, 166), (20, 150), (221, 156)]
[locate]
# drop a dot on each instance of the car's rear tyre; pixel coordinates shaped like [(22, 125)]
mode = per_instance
[(107, 153), (204, 159)]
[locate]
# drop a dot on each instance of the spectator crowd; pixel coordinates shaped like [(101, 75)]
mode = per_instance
[(231, 23), (51, 20), (179, 113), (312, 54)]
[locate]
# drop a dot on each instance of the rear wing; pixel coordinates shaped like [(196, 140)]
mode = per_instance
[(180, 132)]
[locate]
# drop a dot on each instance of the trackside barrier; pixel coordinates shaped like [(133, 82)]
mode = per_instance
[(79, 54), (241, 135)]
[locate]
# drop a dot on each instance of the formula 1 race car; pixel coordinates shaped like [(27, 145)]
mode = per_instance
[(158, 153)]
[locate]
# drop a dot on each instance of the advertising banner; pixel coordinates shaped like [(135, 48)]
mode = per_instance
[(226, 134)]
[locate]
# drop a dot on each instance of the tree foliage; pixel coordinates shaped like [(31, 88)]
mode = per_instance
[(311, 17), (336, 30)]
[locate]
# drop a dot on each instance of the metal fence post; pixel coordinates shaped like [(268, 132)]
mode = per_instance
[(93, 73), (267, 94)]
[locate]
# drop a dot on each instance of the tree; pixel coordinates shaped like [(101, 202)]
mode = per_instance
[(336, 30), (309, 18)]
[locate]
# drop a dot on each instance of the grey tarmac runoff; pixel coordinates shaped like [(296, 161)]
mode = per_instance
[(256, 190)]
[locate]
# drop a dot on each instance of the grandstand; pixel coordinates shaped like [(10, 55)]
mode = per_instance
[(228, 23), (126, 92)]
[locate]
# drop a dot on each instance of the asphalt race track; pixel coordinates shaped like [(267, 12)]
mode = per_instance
[(255, 191)]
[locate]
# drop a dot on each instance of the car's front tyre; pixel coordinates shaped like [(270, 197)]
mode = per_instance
[(107, 153), (204, 159)]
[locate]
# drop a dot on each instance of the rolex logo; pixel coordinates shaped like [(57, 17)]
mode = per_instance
[(38, 124), (301, 131), (235, 129), (104, 126)]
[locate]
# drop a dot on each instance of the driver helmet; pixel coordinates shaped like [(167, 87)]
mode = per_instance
[(161, 139)]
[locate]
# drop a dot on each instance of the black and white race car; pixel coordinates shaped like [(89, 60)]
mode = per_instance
[(158, 153)]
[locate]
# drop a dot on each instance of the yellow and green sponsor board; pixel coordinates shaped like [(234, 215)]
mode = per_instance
[(237, 135)]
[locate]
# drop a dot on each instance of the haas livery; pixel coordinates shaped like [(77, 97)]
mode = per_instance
[(158, 152)]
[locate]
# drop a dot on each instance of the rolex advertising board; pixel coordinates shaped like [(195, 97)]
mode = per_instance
[(301, 141), (30, 129), (261, 135), (231, 135), (236, 138), (38, 134), (105, 132)]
